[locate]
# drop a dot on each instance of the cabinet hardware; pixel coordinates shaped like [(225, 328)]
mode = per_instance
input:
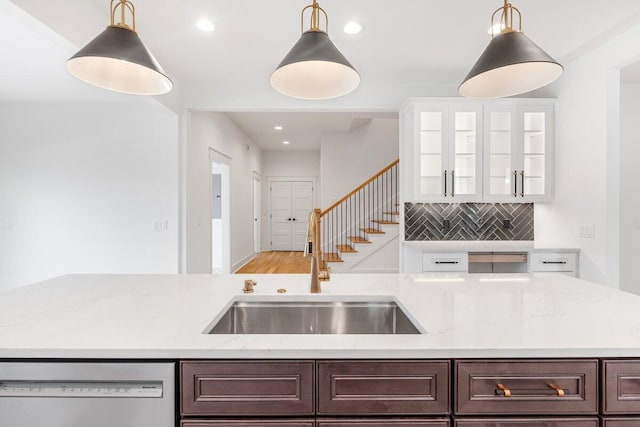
[(453, 183), (554, 262), (445, 183), (446, 262), (505, 390), (515, 183), (557, 389), (522, 183)]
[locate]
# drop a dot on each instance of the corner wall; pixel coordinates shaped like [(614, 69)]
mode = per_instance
[(81, 185), (216, 131), (588, 159)]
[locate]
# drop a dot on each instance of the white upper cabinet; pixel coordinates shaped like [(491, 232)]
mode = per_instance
[(447, 154), (518, 153), (454, 151)]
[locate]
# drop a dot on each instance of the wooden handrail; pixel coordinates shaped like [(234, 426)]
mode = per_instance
[(360, 187)]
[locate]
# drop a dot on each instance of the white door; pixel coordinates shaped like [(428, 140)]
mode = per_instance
[(257, 200), (220, 193), (291, 203)]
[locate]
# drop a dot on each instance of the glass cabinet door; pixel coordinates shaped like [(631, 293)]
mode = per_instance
[(534, 171), (499, 180), (432, 153), (466, 157)]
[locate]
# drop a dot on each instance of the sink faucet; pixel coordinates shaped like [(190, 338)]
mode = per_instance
[(313, 236)]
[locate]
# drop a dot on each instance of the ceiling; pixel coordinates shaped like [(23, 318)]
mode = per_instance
[(408, 48)]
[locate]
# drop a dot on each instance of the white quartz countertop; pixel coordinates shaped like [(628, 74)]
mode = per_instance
[(483, 246), (163, 316)]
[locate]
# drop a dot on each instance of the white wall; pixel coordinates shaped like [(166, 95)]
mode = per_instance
[(216, 131), (587, 159), (630, 188), (281, 164), (348, 159), (80, 186)]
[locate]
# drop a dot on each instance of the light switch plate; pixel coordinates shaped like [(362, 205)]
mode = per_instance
[(588, 231), (160, 225), (5, 224)]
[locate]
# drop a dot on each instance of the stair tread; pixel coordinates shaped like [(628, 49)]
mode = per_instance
[(372, 231), (332, 257), (382, 221), (358, 239), (346, 249), (392, 213)]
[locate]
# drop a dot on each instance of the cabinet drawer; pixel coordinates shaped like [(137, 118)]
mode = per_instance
[(395, 422), (529, 422), (446, 261), (247, 388), (621, 390), (548, 261), (526, 387), (248, 423), (383, 387), (621, 422)]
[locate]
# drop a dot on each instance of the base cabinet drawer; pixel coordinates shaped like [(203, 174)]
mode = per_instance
[(383, 387), (526, 387), (621, 390), (529, 422), (621, 422), (247, 388), (446, 262), (248, 423), (553, 262), (395, 422)]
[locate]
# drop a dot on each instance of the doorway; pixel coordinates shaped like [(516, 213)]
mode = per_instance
[(257, 200), (220, 213), (290, 205)]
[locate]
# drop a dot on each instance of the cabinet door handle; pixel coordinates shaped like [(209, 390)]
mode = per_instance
[(554, 262), (522, 183), (453, 183), (515, 183), (504, 390), (445, 183)]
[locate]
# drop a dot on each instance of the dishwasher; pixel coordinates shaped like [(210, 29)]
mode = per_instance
[(61, 394)]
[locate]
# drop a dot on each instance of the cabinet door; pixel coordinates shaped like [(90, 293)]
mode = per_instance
[(518, 148), (247, 423), (528, 422), (621, 422), (387, 422), (431, 153), (465, 153), (621, 391)]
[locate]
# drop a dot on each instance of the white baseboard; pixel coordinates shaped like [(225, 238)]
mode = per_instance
[(244, 261)]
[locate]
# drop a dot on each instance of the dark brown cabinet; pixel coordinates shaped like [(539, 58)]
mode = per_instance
[(505, 387), (247, 388), (529, 422), (248, 423), (621, 387), (621, 422), (391, 422), (383, 387)]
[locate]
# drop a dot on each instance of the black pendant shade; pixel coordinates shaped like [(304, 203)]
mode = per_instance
[(118, 60), (315, 69), (512, 64)]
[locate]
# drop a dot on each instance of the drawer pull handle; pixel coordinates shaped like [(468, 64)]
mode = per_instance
[(504, 389), (557, 389), (447, 262), (554, 262)]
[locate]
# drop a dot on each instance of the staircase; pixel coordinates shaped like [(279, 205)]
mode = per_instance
[(361, 230)]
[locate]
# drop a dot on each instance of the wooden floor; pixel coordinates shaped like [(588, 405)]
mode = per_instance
[(277, 263)]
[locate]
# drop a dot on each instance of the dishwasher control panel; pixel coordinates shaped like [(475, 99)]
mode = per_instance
[(148, 389)]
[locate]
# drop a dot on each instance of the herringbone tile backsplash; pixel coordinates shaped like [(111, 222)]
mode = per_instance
[(468, 221)]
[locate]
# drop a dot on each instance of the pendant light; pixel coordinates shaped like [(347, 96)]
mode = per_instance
[(512, 64), (315, 68), (118, 60)]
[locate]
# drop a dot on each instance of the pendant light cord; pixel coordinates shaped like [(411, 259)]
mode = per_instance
[(123, 5), (316, 10)]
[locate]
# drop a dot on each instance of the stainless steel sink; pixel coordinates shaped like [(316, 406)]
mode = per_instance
[(252, 317)]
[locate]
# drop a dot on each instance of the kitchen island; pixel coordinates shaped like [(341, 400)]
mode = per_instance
[(528, 350)]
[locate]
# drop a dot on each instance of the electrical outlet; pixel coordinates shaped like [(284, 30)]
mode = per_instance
[(5, 225), (588, 231), (506, 224), (160, 225)]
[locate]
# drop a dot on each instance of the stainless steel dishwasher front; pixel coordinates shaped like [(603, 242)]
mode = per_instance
[(61, 394)]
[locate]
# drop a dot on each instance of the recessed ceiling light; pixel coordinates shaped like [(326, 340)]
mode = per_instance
[(353, 27), (286, 142), (277, 127), (205, 25)]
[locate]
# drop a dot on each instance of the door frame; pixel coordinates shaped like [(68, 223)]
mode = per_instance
[(257, 209), (271, 179), (218, 157)]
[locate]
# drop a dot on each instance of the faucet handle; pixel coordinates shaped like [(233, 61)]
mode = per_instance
[(248, 286)]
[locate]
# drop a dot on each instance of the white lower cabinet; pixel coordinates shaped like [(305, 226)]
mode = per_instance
[(554, 262), (445, 262)]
